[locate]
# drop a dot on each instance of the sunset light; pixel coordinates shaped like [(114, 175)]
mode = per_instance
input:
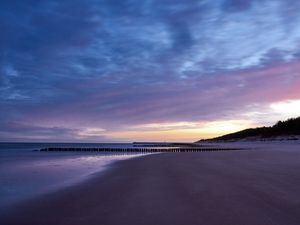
[(150, 112)]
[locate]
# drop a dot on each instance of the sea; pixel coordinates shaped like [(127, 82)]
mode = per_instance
[(26, 172)]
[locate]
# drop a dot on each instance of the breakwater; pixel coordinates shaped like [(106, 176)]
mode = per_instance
[(157, 149)]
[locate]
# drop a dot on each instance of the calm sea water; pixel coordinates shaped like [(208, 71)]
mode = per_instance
[(25, 173)]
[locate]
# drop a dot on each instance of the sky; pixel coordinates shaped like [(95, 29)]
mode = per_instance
[(146, 70)]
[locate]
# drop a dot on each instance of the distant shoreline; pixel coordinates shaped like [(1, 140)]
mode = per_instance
[(253, 139), (282, 130)]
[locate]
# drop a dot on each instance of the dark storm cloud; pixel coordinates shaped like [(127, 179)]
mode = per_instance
[(119, 62)]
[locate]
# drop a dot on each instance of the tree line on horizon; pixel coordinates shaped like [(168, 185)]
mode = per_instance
[(281, 128)]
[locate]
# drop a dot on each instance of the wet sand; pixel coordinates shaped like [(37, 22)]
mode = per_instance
[(249, 187)]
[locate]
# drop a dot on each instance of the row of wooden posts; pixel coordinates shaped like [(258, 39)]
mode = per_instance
[(139, 149)]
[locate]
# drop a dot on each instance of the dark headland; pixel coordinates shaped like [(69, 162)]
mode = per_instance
[(282, 130)]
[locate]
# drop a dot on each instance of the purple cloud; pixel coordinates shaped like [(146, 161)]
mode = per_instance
[(74, 65)]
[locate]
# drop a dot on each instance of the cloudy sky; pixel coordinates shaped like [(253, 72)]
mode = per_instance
[(124, 70)]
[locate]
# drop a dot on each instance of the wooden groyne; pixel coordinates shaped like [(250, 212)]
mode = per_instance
[(165, 144), (144, 150)]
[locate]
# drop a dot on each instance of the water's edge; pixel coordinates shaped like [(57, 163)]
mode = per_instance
[(25, 173)]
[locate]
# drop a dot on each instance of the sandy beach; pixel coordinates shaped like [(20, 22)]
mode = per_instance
[(250, 187)]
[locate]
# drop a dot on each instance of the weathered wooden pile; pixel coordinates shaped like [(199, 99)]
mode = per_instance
[(140, 149)]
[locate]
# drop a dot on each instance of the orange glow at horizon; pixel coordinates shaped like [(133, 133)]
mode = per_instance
[(190, 131), (193, 131)]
